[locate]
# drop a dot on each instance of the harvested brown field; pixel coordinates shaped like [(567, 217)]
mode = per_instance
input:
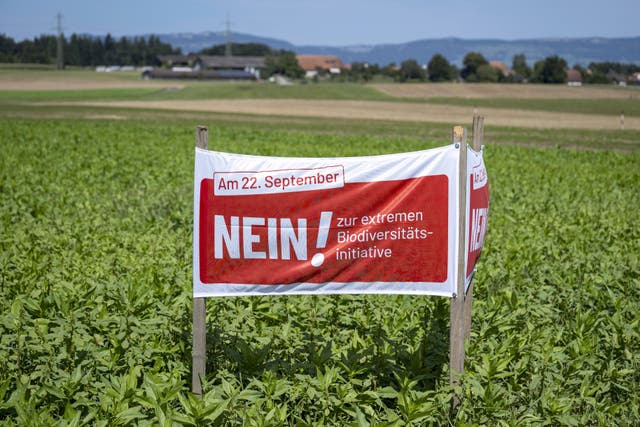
[(49, 81), (374, 110), (509, 91)]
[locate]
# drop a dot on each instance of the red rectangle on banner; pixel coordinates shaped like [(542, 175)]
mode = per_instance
[(382, 231), (478, 215)]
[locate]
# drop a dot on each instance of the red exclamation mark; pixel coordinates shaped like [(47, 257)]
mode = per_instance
[(323, 233)]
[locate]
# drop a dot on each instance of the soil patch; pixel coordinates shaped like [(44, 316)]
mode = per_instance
[(374, 110), (49, 83), (509, 91)]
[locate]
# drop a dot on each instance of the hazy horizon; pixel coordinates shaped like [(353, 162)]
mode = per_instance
[(329, 23)]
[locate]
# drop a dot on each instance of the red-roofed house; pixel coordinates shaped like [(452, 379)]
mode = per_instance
[(502, 67), (314, 63), (574, 78)]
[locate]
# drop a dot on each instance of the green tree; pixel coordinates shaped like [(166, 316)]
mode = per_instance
[(551, 70), (621, 68), (390, 70), (110, 56), (411, 70), (7, 49), (583, 71), (440, 70), (124, 51), (284, 63), (487, 73), (239, 49), (597, 77), (472, 61), (520, 67), (40, 50), (72, 53), (85, 50), (362, 71)]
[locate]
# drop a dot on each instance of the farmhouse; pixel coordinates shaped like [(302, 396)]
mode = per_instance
[(176, 60), (574, 77), (207, 67), (502, 67), (617, 78), (246, 63), (314, 64)]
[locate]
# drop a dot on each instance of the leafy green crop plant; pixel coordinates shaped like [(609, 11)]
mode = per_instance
[(95, 290)]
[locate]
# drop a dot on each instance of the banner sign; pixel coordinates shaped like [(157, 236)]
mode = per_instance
[(478, 203), (379, 224)]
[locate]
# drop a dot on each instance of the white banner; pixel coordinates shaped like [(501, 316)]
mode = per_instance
[(378, 224)]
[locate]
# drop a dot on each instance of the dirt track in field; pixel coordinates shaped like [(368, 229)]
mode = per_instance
[(373, 110), (51, 83), (509, 91)]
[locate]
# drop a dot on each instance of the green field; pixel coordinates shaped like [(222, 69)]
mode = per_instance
[(201, 90), (630, 107), (627, 141), (204, 91), (271, 91), (95, 284), (613, 107), (9, 98), (30, 71)]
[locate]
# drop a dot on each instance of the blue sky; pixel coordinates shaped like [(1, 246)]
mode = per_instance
[(329, 22)]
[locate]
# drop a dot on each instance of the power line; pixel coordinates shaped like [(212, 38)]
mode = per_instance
[(227, 50), (60, 45)]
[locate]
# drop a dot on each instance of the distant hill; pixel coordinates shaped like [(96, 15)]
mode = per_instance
[(573, 50), (193, 42)]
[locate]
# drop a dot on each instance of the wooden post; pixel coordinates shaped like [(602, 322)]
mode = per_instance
[(475, 128), (478, 137), (456, 334), (199, 349)]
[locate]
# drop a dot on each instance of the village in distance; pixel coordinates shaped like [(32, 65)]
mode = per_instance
[(253, 60)]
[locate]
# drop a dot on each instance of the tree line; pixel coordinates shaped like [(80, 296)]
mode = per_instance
[(85, 50), (476, 68)]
